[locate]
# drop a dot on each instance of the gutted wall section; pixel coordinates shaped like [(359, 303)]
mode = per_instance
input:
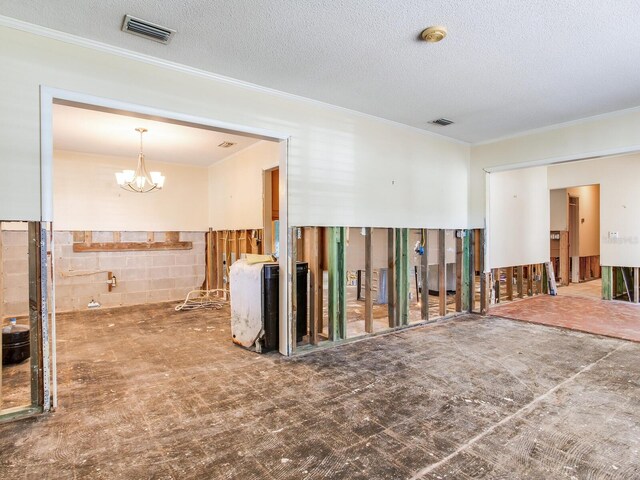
[(141, 276)]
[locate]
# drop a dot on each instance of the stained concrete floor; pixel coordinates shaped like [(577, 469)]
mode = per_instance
[(153, 393)]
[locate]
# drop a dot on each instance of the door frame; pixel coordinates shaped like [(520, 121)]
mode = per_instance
[(50, 96)]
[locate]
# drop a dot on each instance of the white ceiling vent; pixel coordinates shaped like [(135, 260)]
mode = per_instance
[(143, 28), (443, 122)]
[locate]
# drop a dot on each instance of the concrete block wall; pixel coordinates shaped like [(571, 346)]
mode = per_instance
[(142, 276), (14, 272)]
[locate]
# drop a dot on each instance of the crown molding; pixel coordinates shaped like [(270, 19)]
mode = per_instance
[(52, 34), (559, 126)]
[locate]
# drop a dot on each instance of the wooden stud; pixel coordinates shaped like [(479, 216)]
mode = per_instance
[(116, 237), (130, 246), (520, 281), (485, 278), (293, 282), (391, 284), (563, 272), (636, 285), (150, 237), (607, 282), (172, 237), (485, 292), (459, 253), (530, 280), (442, 272), (319, 316), (35, 309), (471, 270), (313, 258), (424, 274), (402, 277), (495, 274), (539, 279), (87, 238), (509, 275), (337, 284), (368, 279)]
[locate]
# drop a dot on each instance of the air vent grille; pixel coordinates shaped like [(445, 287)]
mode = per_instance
[(226, 144), (443, 122), (142, 28)]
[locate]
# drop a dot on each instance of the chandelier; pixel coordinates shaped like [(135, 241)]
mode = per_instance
[(139, 180)]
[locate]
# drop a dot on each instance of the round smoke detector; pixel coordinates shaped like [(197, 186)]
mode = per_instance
[(434, 34)]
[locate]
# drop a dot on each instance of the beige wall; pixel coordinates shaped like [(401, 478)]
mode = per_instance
[(235, 187), (518, 218), (345, 168), (86, 196), (559, 205), (589, 210), (619, 179)]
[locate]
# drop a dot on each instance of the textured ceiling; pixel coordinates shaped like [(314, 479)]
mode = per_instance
[(102, 133), (506, 66)]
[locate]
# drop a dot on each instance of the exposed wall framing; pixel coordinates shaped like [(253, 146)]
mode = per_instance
[(39, 327), (223, 248), (83, 242)]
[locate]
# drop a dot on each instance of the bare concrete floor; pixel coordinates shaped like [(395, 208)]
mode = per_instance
[(152, 393)]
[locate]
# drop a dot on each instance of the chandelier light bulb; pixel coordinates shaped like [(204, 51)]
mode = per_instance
[(139, 180)]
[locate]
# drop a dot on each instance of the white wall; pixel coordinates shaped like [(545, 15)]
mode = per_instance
[(559, 204), (87, 197), (616, 132), (345, 168), (236, 187), (619, 179), (518, 218)]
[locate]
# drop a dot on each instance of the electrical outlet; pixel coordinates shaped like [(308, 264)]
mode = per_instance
[(614, 235)]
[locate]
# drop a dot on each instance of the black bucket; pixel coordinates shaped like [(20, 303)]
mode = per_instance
[(16, 346)]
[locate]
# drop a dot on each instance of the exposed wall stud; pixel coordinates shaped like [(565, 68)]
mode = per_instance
[(368, 279), (485, 277), (520, 281), (564, 258), (509, 280), (459, 256), (293, 282), (442, 272), (424, 274), (391, 284), (607, 282), (402, 277), (337, 284), (471, 265)]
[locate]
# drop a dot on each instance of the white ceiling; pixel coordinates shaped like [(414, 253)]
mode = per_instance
[(506, 66), (102, 133)]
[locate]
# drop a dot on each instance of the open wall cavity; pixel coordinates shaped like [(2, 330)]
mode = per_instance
[(366, 280)]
